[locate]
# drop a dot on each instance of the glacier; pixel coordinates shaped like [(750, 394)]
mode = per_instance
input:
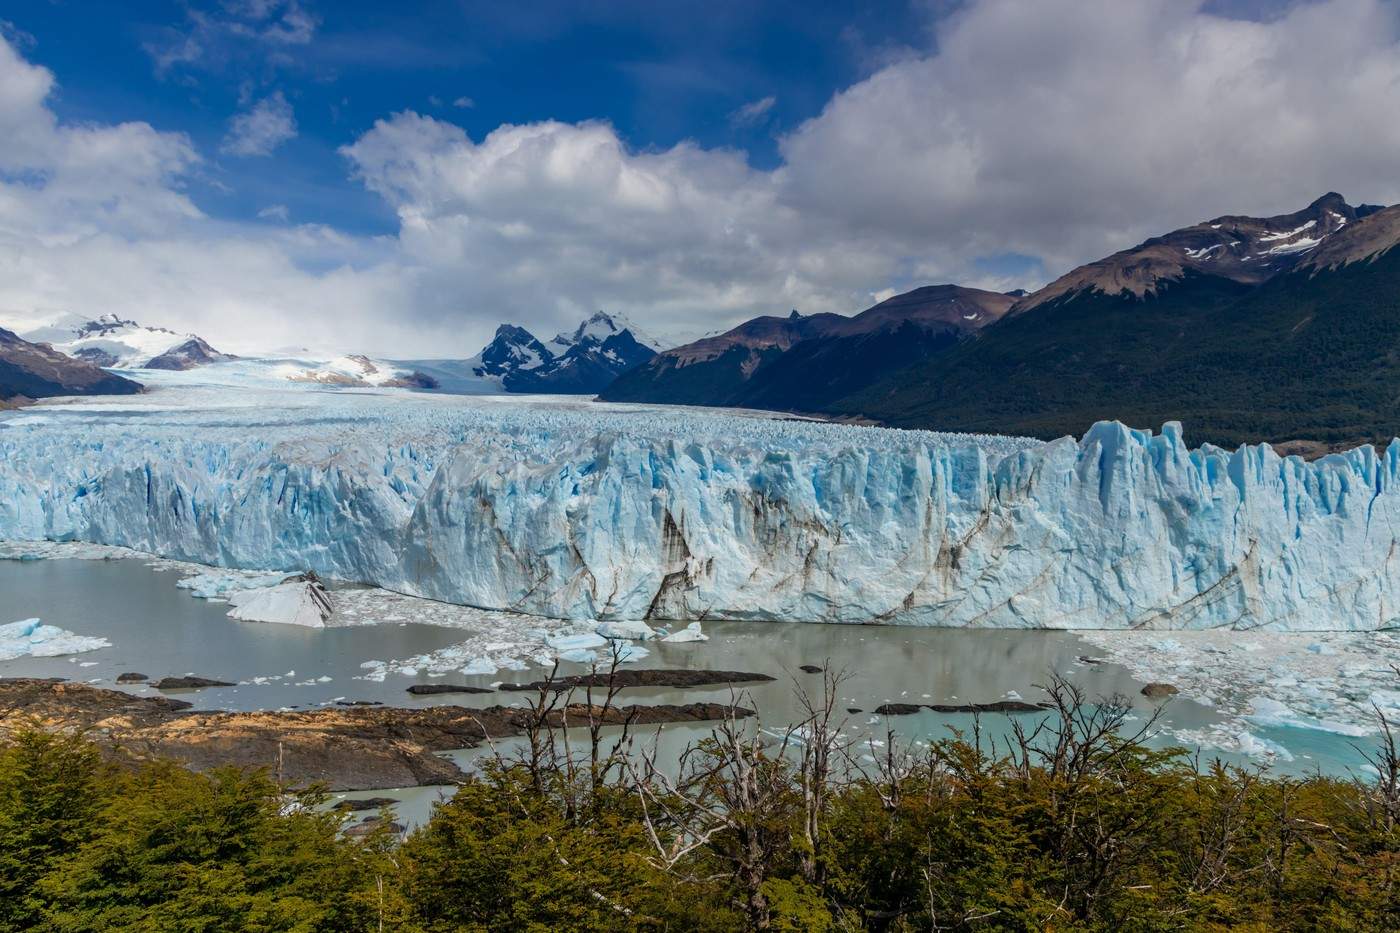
[(583, 511)]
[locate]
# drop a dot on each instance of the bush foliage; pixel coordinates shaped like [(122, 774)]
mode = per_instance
[(1073, 825)]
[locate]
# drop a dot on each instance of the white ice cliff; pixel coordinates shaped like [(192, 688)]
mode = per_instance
[(596, 512)]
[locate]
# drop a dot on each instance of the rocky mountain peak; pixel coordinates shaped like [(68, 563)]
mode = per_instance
[(1240, 248)]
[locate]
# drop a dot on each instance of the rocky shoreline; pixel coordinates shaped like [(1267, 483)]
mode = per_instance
[(343, 748)]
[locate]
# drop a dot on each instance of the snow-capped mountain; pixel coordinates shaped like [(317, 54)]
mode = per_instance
[(114, 343), (599, 327), (357, 371), (583, 362), (512, 352)]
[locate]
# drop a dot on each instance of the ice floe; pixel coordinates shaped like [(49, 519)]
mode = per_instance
[(32, 639), (1332, 682)]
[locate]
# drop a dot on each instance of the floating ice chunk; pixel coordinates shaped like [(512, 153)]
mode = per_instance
[(635, 631), (690, 633), (1270, 712), (628, 652), (1256, 747), (482, 666), (217, 584), (578, 655), (301, 602), (1387, 701), (565, 642), (31, 638)]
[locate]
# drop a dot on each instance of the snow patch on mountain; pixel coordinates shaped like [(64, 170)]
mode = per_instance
[(113, 343)]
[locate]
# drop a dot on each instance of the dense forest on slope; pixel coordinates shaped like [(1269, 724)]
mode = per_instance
[(805, 363), (1073, 825), (1307, 355)]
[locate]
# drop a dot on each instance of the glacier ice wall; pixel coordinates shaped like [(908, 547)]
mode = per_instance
[(632, 514)]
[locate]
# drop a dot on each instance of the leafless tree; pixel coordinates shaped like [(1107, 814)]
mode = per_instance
[(731, 796)]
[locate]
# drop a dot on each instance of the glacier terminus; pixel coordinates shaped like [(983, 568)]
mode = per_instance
[(583, 511)]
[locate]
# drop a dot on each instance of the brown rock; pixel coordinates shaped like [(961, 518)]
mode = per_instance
[(368, 803), (188, 683), (1000, 706), (427, 690), (360, 748), (1160, 691)]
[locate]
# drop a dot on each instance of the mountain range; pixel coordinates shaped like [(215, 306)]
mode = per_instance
[(585, 361), (1283, 328), (113, 343), (810, 363)]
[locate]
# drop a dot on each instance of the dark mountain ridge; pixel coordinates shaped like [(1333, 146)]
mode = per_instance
[(806, 362), (32, 371), (1309, 353), (1282, 328)]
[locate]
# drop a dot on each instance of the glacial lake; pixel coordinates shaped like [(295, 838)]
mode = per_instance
[(159, 630)]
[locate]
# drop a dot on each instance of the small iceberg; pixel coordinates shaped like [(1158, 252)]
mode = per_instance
[(568, 641), (626, 631), (479, 666), (690, 633), (30, 638), (1257, 747), (300, 601)]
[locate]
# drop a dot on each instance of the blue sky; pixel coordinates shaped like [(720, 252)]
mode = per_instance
[(660, 72), (399, 179)]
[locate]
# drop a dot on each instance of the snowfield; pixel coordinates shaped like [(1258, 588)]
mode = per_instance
[(575, 510)]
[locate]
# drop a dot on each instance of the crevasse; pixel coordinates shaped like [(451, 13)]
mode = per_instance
[(627, 516)]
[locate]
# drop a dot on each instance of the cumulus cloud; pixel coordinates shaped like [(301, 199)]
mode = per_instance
[(262, 128), (1072, 128), (1056, 130), (754, 112)]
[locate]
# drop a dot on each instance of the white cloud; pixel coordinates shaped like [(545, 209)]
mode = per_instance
[(1065, 129), (261, 129), (210, 38), (463, 103), (275, 212), (1057, 129), (754, 112)]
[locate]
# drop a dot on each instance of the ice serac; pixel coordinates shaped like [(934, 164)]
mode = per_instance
[(615, 515)]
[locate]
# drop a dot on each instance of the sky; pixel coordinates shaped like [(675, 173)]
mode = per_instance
[(345, 176)]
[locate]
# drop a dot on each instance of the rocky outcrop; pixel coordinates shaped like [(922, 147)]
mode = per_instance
[(361, 748), (998, 706)]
